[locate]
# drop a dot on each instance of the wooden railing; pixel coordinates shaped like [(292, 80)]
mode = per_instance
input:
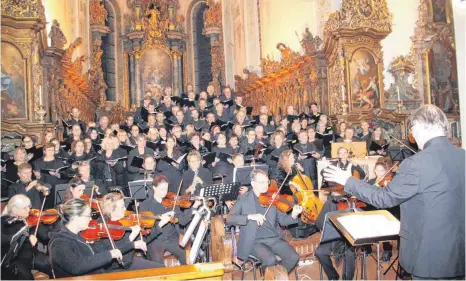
[(208, 271)]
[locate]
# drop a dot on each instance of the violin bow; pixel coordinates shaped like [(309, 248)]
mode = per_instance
[(177, 194), (136, 206), (276, 194), (40, 212), (112, 243)]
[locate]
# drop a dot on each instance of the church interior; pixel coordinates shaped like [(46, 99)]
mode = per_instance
[(363, 64)]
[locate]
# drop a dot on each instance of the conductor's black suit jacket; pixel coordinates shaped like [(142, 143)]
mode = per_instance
[(430, 188)]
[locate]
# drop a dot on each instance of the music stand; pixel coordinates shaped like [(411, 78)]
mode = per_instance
[(60, 190), (225, 191), (140, 189), (243, 175), (398, 153), (367, 228)]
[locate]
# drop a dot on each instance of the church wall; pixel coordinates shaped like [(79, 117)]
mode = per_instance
[(281, 21), (398, 42)]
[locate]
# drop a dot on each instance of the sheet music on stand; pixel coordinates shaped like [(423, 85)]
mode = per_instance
[(369, 227)]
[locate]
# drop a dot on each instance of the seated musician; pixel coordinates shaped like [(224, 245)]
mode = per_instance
[(196, 176), (285, 166), (20, 256), (343, 163), (258, 233), (69, 253), (164, 236), (238, 162), (340, 248), (113, 209), (381, 180), (31, 188)]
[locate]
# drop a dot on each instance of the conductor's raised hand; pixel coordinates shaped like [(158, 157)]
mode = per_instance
[(335, 174)]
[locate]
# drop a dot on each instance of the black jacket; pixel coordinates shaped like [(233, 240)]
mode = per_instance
[(71, 255), (429, 187)]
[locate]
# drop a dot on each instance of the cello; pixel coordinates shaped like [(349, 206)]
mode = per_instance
[(312, 205)]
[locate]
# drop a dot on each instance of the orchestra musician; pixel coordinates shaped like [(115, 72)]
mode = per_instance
[(164, 235), (196, 176), (19, 251), (258, 233), (429, 187), (113, 208), (69, 253), (31, 188), (340, 248)]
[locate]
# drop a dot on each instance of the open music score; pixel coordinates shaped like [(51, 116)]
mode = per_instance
[(368, 227)]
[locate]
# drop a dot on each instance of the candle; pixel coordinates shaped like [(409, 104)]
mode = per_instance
[(40, 95), (398, 91), (342, 92)]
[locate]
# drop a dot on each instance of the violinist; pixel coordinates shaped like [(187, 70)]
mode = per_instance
[(19, 252), (113, 208), (69, 253), (341, 249), (258, 233), (164, 236), (381, 180), (31, 188)]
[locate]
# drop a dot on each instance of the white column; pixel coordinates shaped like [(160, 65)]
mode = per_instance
[(459, 16)]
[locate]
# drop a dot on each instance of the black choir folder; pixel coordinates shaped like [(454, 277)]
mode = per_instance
[(368, 227)]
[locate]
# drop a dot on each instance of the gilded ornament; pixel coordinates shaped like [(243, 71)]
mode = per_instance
[(98, 13)]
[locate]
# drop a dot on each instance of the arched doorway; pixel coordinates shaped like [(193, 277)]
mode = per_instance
[(201, 49)]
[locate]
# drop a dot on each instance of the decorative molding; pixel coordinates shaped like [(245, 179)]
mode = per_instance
[(98, 13)]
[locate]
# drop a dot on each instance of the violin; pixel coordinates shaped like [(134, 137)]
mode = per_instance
[(387, 177), (144, 219), (96, 231), (312, 205), (49, 216), (284, 203), (351, 202), (93, 203), (171, 200)]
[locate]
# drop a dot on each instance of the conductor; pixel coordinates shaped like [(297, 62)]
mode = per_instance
[(429, 187)]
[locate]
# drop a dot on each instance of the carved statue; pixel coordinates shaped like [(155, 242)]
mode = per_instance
[(97, 11), (309, 43), (152, 23), (57, 38)]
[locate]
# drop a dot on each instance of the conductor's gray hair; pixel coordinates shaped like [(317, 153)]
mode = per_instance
[(431, 118)]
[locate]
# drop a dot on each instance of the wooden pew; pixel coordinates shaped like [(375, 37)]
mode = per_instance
[(200, 271)]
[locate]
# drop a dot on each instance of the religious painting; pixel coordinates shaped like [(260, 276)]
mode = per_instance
[(364, 79), (365, 8), (443, 76), (13, 83), (155, 68), (439, 11)]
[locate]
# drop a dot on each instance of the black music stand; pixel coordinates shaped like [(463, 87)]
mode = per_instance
[(140, 189), (367, 228), (243, 175), (61, 188), (398, 153), (225, 191)]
